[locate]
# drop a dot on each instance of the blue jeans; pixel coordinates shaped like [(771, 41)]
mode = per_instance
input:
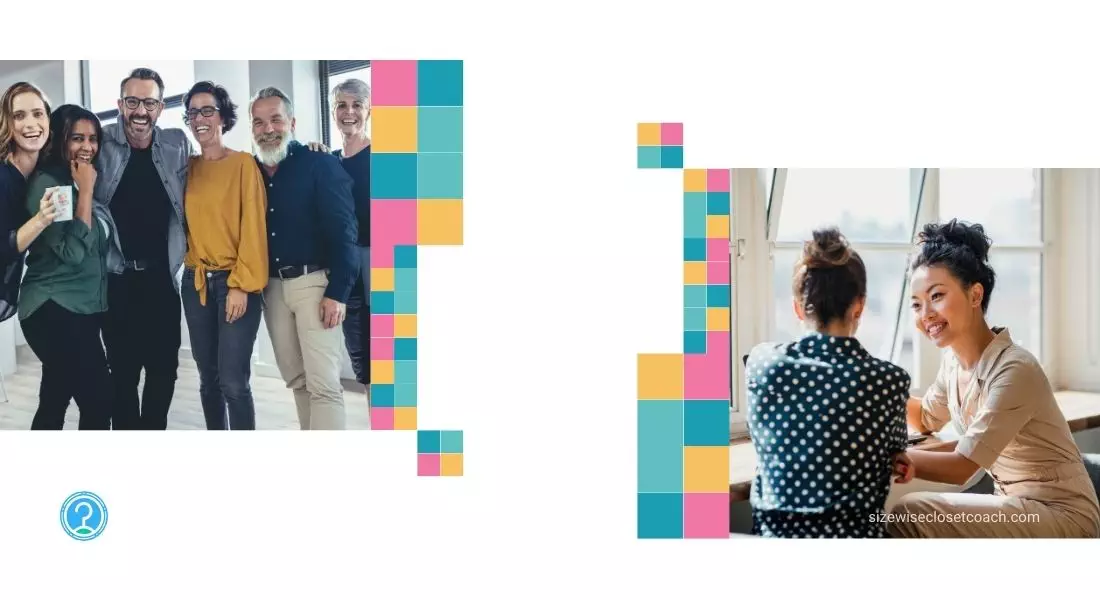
[(357, 320), (223, 351)]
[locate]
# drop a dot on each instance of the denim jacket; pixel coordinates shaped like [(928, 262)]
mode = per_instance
[(171, 150)]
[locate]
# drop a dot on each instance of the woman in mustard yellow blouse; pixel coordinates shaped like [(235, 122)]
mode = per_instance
[(226, 262)]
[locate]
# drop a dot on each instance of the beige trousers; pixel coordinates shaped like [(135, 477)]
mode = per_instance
[(928, 514), (308, 355)]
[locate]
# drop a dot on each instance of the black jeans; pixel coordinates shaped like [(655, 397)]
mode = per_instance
[(142, 331), (223, 351), (357, 321), (73, 367)]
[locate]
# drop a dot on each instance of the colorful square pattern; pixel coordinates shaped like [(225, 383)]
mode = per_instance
[(660, 145), (416, 200), (683, 398)]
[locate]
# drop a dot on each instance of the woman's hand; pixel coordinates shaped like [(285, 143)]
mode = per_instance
[(84, 175), (47, 211), (904, 470), (235, 304)]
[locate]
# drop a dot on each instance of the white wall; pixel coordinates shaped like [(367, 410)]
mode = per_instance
[(61, 81), (1076, 300)]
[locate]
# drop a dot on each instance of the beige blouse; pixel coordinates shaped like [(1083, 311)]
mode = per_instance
[(1012, 427)]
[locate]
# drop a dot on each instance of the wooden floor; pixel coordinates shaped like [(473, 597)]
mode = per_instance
[(274, 403)]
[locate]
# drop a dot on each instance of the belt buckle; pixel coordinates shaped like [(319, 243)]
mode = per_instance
[(133, 264), (280, 272)]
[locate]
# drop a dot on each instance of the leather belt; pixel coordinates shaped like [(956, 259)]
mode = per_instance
[(295, 271)]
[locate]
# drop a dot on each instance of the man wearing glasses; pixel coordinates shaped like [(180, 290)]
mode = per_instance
[(142, 175)]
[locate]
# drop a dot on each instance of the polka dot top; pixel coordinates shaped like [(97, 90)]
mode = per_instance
[(826, 419)]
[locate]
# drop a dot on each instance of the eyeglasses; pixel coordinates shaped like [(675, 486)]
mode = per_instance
[(206, 111), (132, 103)]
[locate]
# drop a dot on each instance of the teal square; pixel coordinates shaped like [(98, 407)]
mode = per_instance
[(718, 295), (649, 157), (660, 446), (404, 371), (428, 442), (695, 319), (404, 303), (404, 349), (718, 203), (660, 516), (439, 176), (695, 215), (382, 395), (439, 83), (381, 303), (695, 342), (404, 394), (695, 248), (404, 257), (439, 129), (706, 422), (404, 280), (393, 176), (451, 442), (672, 157), (695, 296)]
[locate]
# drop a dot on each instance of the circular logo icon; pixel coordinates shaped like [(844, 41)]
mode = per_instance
[(83, 516)]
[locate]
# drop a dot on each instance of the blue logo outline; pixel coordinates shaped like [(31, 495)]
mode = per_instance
[(84, 533)]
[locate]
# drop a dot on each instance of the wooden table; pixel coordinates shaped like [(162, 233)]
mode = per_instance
[(1081, 409)]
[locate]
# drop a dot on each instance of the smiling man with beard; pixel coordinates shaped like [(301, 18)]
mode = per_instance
[(314, 260), (143, 173)]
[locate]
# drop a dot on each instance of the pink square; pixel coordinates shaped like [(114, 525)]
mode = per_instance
[(672, 134), (381, 348), (381, 257), (718, 272), (381, 419), (718, 250), (393, 83), (718, 180), (393, 222), (381, 326), (707, 376), (427, 465), (706, 516), (718, 347)]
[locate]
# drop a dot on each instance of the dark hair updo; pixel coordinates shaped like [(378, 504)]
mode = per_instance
[(962, 248), (829, 277)]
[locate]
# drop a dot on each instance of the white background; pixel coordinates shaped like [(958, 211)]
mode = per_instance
[(529, 332)]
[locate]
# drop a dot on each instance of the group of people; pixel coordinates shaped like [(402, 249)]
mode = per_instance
[(96, 283), (830, 422)]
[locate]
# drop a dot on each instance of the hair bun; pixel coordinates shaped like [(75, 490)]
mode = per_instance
[(828, 248), (959, 234)]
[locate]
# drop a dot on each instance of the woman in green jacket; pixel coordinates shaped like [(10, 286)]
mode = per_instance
[(64, 293)]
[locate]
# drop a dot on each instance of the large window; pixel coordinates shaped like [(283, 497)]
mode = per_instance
[(880, 211), (104, 77), (333, 73)]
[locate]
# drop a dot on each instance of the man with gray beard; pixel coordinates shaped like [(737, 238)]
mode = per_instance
[(314, 260)]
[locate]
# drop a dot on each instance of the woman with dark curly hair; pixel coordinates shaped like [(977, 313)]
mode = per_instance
[(226, 263), (64, 294), (998, 398)]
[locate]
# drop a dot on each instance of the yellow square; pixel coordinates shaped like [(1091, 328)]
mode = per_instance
[(404, 418), (404, 326), (450, 465), (706, 469), (660, 376), (381, 279), (695, 180), (695, 272), (381, 371), (718, 226), (649, 134), (439, 222), (393, 128), (718, 319)]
